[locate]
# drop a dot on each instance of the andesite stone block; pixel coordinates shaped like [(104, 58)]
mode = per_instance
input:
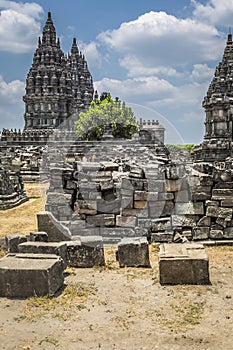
[(126, 221), (215, 212), (162, 237), (133, 252), (185, 263), (86, 252), (191, 208), (56, 248), (183, 220), (55, 230), (26, 275), (201, 232)]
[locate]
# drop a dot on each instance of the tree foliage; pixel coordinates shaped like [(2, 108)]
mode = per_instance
[(107, 112)]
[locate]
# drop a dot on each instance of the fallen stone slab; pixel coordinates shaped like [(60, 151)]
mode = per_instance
[(13, 240), (56, 248), (25, 275), (55, 230), (185, 263), (85, 251), (133, 252)]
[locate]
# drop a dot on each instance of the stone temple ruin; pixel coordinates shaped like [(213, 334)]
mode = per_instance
[(129, 192)]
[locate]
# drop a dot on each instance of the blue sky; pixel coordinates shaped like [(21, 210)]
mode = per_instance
[(158, 56)]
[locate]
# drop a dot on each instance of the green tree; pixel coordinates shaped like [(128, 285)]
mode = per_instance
[(107, 112)]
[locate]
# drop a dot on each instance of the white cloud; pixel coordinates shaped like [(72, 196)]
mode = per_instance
[(218, 12), (19, 26), (136, 68), (202, 72), (11, 104), (91, 53), (145, 88), (159, 39)]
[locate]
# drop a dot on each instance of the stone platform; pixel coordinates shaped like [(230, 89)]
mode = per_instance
[(183, 264), (25, 275)]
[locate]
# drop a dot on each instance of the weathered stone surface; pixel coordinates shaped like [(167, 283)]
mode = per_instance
[(166, 196), (38, 237), (156, 208), (25, 275), (101, 220), (162, 237), (126, 221), (215, 212), (140, 204), (182, 196), (216, 234), (55, 230), (86, 252), (221, 194), (162, 224), (133, 252), (50, 248), (228, 232), (140, 195), (156, 185), (204, 221), (191, 208), (227, 203), (173, 185), (13, 240), (76, 225), (183, 264), (182, 220), (117, 232), (201, 233)]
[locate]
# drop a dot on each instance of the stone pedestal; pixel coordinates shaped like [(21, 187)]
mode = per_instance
[(25, 275), (183, 264)]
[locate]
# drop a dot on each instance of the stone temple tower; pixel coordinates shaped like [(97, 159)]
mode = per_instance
[(58, 86), (218, 104)]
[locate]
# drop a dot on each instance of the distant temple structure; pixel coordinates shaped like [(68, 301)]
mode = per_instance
[(57, 85), (58, 88), (218, 104)]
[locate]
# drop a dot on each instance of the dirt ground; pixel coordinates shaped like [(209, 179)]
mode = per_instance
[(114, 308), (125, 308)]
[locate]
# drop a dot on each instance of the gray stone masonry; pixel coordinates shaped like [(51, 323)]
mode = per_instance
[(26, 275), (38, 237), (133, 252), (55, 230), (55, 248), (185, 263), (13, 240), (85, 251)]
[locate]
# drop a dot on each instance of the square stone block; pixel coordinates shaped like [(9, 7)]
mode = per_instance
[(183, 264), (133, 252), (25, 275), (45, 248), (86, 251)]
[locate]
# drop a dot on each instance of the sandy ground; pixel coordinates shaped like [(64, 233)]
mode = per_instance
[(112, 308)]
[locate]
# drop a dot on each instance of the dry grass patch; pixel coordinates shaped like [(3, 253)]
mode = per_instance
[(63, 307), (23, 218)]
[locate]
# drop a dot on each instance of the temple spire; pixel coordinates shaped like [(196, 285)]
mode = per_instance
[(74, 48), (49, 32)]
